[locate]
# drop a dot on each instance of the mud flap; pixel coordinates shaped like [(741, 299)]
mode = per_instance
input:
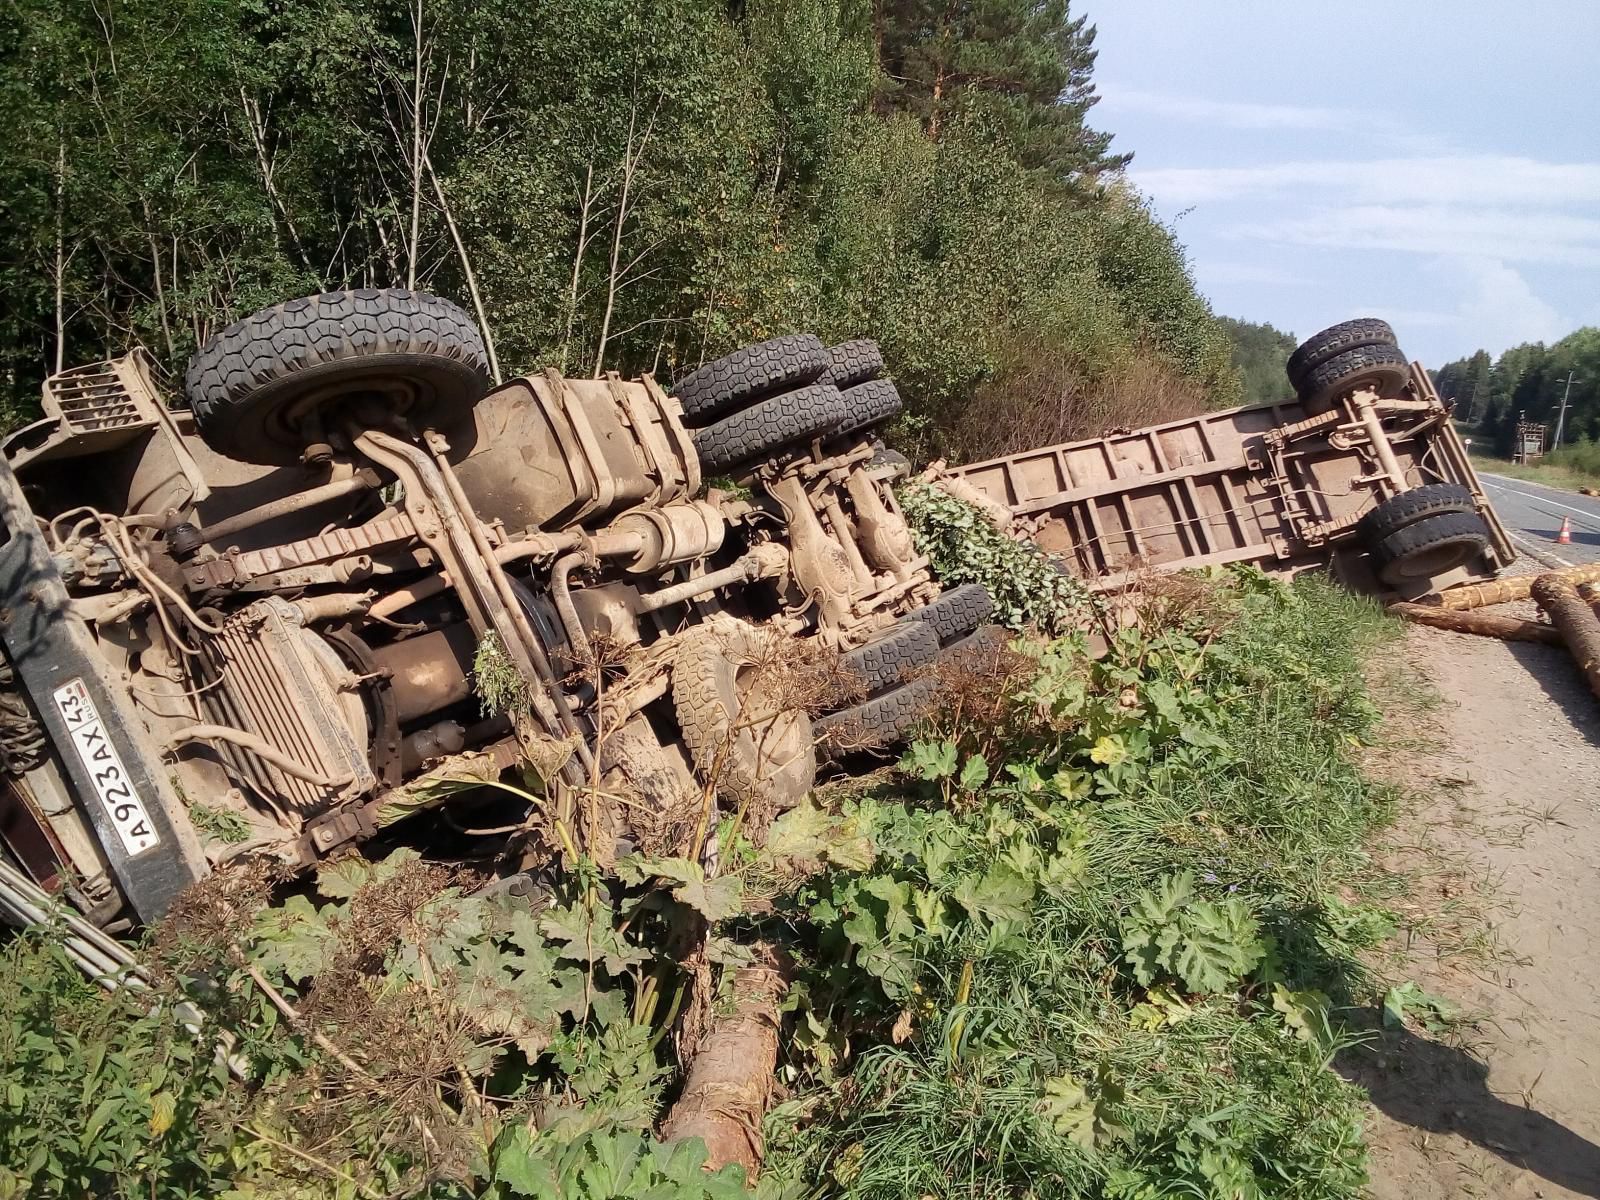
[(114, 774)]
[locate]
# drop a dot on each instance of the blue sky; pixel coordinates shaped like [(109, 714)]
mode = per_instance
[(1434, 162)]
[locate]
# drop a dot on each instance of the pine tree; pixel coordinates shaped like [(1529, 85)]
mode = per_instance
[(1026, 65)]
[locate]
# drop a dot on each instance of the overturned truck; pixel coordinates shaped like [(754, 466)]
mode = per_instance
[(1361, 470), (350, 588)]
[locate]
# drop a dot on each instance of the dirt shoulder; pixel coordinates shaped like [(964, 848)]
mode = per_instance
[(1508, 1105)]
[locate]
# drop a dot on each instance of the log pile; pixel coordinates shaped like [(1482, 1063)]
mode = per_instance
[(1570, 598)]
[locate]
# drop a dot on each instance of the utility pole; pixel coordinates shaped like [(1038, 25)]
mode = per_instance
[(1561, 419)]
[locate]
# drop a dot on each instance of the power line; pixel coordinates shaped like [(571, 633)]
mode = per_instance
[(1561, 419)]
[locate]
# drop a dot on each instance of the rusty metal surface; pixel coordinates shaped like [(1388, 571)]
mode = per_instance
[(270, 678), (1269, 484)]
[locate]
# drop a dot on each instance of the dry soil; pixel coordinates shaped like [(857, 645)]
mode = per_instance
[(1505, 1103)]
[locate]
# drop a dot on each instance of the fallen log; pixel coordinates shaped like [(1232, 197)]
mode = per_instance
[(1511, 629), (729, 1086), (1513, 587), (1578, 623), (1591, 593)]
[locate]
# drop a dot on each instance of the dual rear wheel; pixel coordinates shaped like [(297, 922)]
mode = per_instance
[(785, 392), (1422, 533)]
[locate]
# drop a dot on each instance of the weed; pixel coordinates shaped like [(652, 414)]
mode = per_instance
[(499, 684), (1111, 959), (1028, 586), (219, 823)]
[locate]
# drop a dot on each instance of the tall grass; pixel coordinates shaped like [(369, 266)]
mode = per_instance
[(1206, 1096), (1581, 456)]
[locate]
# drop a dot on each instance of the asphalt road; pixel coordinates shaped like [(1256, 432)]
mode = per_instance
[(1533, 512)]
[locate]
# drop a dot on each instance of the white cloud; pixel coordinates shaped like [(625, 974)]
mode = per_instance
[(1498, 309), (1231, 114), (1439, 229), (1458, 178), (1495, 307)]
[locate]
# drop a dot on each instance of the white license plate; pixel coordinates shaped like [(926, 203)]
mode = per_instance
[(106, 772)]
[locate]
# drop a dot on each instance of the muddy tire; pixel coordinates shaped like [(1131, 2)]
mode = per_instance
[(1383, 368), (769, 425), (1430, 547), (889, 660), (1335, 340), (750, 374), (853, 362), (252, 385), (880, 721), (980, 638), (869, 404), (957, 613), (1397, 512), (761, 753)]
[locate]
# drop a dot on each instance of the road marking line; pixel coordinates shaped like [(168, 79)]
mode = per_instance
[(1538, 553), (1582, 512)]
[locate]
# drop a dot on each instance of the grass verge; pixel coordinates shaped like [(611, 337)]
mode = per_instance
[(1551, 473), (1159, 1018)]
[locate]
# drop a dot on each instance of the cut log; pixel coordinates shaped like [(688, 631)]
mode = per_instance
[(729, 1086), (1578, 623), (1511, 629), (1513, 587)]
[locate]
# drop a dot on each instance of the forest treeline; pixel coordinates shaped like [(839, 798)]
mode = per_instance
[(1529, 381), (1261, 356), (604, 183)]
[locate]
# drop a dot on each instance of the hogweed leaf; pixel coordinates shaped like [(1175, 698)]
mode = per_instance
[(975, 773)]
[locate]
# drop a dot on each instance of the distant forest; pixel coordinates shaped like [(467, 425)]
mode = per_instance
[(1529, 381), (605, 184), (1261, 355)]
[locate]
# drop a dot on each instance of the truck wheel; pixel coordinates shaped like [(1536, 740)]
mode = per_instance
[(1383, 368), (853, 362), (980, 638), (871, 403), (1408, 508), (759, 751), (957, 613), (252, 385), (886, 661), (1336, 339), (1430, 547), (874, 723), (750, 374), (769, 425)]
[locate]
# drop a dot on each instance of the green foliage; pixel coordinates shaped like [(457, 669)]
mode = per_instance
[(1029, 587), (219, 823), (606, 1164), (1410, 1000), (1530, 382), (923, 176), (1207, 945), (1025, 65), (100, 1095), (1106, 956), (1118, 956), (1581, 457), (1261, 356), (501, 687)]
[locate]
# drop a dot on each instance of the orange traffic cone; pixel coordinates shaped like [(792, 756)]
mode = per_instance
[(1564, 538)]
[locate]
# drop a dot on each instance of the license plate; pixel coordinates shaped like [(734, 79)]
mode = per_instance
[(109, 777)]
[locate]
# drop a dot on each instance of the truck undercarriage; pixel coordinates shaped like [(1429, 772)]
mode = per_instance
[(353, 593), (349, 586)]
